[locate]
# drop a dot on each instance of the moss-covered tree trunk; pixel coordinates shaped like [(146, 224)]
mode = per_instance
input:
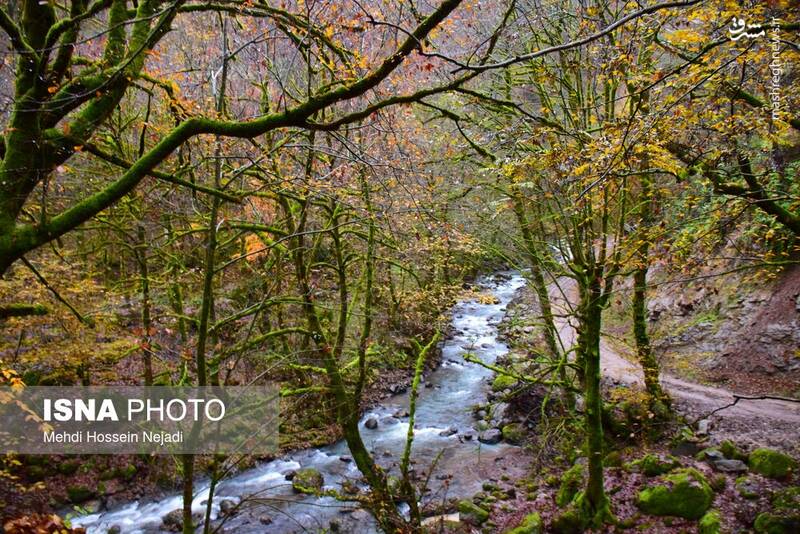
[(595, 504), (144, 287)]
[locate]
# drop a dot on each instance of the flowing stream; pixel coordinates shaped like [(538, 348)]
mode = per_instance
[(444, 442)]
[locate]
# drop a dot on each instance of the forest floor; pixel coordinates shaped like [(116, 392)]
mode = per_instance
[(707, 416)]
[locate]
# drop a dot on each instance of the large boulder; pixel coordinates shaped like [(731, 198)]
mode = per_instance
[(684, 493), (771, 463), (307, 480)]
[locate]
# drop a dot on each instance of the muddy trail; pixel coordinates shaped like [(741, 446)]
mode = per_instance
[(717, 411)]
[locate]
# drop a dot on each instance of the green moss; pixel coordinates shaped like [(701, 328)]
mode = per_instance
[(653, 465), (571, 483), (771, 463), (514, 433), (472, 513), (613, 459), (78, 494), (747, 487), (772, 523), (70, 467), (787, 499), (127, 472), (718, 482), (532, 524), (710, 523), (307, 480), (571, 521), (730, 450), (502, 382), (686, 493)]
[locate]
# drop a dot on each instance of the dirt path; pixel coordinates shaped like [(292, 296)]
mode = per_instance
[(764, 422)]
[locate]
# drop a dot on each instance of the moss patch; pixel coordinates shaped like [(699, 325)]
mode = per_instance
[(472, 513), (307, 480), (532, 524), (710, 523), (571, 483), (514, 433), (502, 382), (653, 465)]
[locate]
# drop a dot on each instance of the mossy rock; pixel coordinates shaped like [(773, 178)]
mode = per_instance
[(70, 467), (502, 382), (709, 455), (79, 494), (748, 488), (307, 480), (613, 459), (730, 450), (777, 523), (654, 465), (787, 499), (127, 472), (513, 433), (710, 523), (771, 463), (472, 513), (718, 482), (570, 521), (572, 481), (685, 493), (36, 472), (532, 524)]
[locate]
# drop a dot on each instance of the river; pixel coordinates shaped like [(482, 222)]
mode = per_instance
[(443, 434)]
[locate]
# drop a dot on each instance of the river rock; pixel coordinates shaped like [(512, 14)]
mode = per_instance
[(307, 479), (290, 474), (400, 414), (448, 431), (227, 506), (93, 506), (345, 458), (173, 521), (371, 423), (114, 529), (491, 436), (730, 466), (703, 427), (265, 520), (389, 420)]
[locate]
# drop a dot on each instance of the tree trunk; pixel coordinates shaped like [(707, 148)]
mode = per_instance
[(595, 502)]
